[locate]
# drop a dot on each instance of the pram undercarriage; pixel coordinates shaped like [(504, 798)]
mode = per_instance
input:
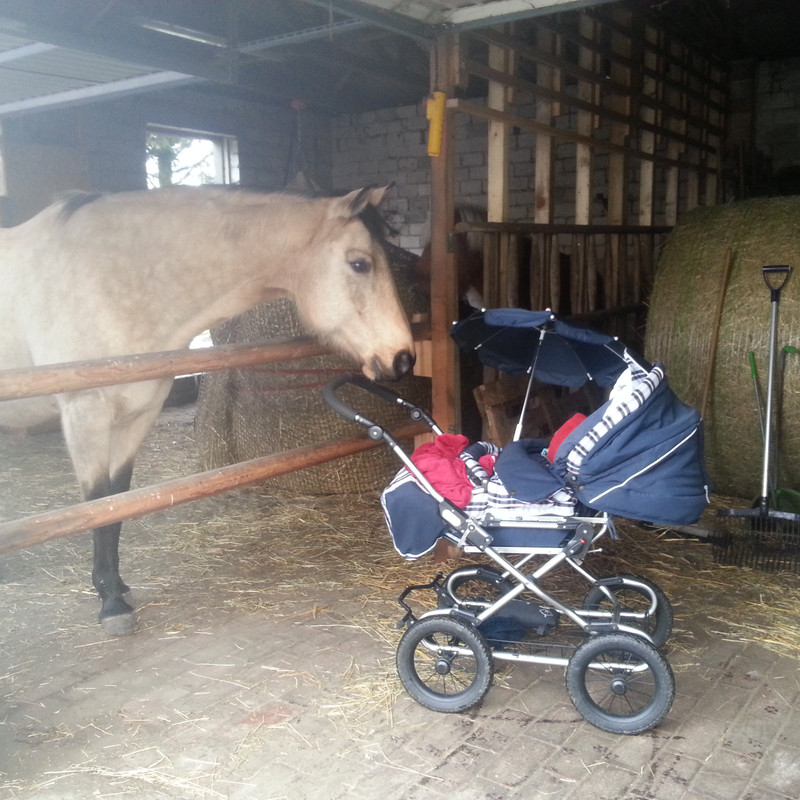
[(500, 611), (615, 675)]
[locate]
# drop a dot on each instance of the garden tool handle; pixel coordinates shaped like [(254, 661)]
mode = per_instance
[(775, 277)]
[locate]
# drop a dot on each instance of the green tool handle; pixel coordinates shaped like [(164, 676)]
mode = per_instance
[(757, 386)]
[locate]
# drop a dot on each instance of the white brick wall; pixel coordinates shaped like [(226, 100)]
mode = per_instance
[(391, 145)]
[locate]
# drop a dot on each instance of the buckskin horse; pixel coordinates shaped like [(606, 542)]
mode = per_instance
[(96, 276)]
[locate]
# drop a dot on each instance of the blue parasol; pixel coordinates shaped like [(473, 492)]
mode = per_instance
[(549, 349), (538, 342)]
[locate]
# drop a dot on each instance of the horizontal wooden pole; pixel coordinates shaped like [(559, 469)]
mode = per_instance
[(57, 378), (40, 528), (556, 227)]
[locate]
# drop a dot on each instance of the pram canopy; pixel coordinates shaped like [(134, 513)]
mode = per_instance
[(639, 455)]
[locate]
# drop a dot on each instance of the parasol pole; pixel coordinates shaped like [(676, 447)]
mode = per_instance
[(518, 429)]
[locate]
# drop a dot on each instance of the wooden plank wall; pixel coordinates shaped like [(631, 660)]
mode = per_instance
[(626, 123), (625, 116)]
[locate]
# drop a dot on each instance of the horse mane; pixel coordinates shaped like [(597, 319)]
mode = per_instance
[(376, 224), (72, 201)]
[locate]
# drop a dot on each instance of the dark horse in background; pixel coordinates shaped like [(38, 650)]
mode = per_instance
[(98, 276)]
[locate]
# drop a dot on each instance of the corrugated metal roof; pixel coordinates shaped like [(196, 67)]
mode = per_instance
[(30, 70), (343, 55), (53, 53), (36, 74)]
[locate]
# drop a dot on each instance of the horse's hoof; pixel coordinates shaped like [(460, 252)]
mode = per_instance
[(119, 624)]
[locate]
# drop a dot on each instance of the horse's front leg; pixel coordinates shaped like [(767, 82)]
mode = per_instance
[(92, 440), (116, 616)]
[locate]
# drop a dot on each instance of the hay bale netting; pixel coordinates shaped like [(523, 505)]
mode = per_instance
[(759, 232), (248, 413)]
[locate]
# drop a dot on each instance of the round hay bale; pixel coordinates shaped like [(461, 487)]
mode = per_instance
[(248, 413), (687, 285)]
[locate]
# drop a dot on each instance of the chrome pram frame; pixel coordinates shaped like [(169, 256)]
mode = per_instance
[(620, 644)]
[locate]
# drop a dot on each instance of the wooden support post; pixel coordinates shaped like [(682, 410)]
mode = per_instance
[(585, 125), (675, 147), (499, 97), (543, 178), (446, 399), (620, 103), (647, 139)]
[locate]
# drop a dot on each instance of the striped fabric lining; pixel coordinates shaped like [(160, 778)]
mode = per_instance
[(625, 401), (494, 502), (491, 500)]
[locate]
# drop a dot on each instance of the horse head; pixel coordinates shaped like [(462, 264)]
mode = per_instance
[(350, 300)]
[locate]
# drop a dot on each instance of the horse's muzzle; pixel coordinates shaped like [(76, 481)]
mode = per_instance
[(401, 365)]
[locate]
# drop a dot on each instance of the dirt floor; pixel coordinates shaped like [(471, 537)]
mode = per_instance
[(263, 663)]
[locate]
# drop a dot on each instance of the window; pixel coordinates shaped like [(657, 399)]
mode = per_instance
[(189, 158)]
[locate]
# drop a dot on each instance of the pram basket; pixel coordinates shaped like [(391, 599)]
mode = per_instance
[(615, 674)]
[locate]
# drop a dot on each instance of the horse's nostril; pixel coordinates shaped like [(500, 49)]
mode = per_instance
[(403, 362)]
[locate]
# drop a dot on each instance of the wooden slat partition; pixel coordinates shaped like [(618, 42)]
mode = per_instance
[(574, 269), (622, 124), (597, 80)]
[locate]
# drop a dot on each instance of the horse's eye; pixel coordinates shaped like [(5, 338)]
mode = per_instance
[(360, 266)]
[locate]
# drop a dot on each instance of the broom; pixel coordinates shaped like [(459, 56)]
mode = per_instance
[(762, 537)]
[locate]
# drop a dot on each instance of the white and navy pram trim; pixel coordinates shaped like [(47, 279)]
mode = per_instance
[(412, 515), (629, 394)]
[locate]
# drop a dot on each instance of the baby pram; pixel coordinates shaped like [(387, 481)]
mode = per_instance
[(638, 455)]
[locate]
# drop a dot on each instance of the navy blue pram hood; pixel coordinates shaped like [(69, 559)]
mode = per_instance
[(648, 466)]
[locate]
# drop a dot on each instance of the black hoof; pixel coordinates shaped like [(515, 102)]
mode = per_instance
[(119, 624), (117, 617)]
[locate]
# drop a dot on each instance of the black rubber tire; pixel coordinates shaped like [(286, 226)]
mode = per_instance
[(658, 626), (613, 697), (476, 583), (461, 680)]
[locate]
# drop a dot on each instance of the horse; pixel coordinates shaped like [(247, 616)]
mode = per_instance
[(96, 276), (469, 260)]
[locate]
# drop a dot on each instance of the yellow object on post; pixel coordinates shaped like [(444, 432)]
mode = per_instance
[(435, 113)]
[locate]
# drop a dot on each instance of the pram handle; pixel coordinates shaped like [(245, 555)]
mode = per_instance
[(351, 415)]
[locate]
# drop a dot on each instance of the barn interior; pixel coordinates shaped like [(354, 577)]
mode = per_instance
[(578, 132), (629, 164)]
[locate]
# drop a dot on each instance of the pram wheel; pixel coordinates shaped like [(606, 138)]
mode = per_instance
[(634, 605), (445, 664), (620, 683)]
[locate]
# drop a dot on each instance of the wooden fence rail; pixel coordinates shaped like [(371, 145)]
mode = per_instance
[(57, 378), (53, 379), (40, 528)]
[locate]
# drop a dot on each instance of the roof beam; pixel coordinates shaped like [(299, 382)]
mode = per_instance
[(32, 49), (380, 18), (498, 11)]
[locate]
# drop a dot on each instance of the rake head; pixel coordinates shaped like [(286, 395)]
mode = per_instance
[(757, 537)]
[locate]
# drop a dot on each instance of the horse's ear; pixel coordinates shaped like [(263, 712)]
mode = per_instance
[(352, 204)]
